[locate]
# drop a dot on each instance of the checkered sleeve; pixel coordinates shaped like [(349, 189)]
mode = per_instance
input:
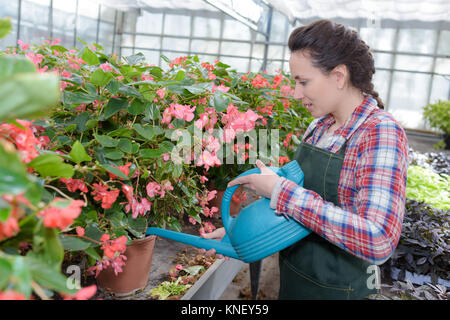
[(371, 227)]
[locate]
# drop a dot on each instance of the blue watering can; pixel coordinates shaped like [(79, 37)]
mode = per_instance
[(257, 232)]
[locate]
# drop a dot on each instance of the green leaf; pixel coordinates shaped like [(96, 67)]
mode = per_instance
[(114, 171), (5, 210), (135, 58), (178, 170), (113, 86), (106, 141), (152, 112), (89, 56), (27, 95), (91, 231), (114, 155), (50, 165), (48, 277), (136, 107), (166, 146), (125, 145), (137, 226), (13, 178), (181, 75), (5, 27), (92, 253), (151, 153), (78, 153), (22, 275), (100, 78), (10, 65), (73, 243), (221, 101), (115, 105), (146, 132), (90, 124), (5, 272), (70, 98), (53, 250)]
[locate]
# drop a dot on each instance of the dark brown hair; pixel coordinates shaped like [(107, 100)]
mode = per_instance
[(331, 44)]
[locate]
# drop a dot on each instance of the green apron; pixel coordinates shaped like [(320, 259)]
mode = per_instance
[(315, 268)]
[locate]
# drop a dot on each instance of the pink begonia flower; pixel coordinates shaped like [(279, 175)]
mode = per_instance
[(166, 156), (120, 77), (211, 195), (220, 88), (211, 76), (182, 111), (165, 185), (212, 144), (192, 220), (23, 46), (228, 135), (161, 93), (167, 116), (153, 189), (202, 121), (203, 179), (35, 58), (66, 74), (245, 121), (53, 42), (106, 67), (145, 77), (208, 159)]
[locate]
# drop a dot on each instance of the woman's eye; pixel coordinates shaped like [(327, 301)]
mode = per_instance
[(303, 83)]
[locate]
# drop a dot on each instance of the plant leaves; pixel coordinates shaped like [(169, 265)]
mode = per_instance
[(50, 165), (146, 132), (100, 78), (106, 141), (89, 56), (78, 153), (115, 105), (73, 243)]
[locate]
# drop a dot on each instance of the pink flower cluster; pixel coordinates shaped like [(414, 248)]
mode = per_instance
[(154, 188), (185, 112), (137, 208), (235, 120), (59, 216), (113, 251)]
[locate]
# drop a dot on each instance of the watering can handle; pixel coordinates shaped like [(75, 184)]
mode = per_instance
[(227, 220), (291, 171)]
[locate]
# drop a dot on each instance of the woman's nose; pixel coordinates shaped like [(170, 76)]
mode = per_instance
[(298, 93)]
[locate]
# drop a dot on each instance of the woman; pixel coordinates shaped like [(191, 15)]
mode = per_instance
[(354, 157)]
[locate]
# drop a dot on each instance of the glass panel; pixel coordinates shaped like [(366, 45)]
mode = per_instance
[(377, 38), (64, 22), (207, 58), (128, 22), (206, 27), (234, 29), (151, 56), (176, 44), (8, 8), (69, 6), (149, 22), (408, 97), (417, 40), (255, 65), (148, 42), (258, 51), (34, 21), (88, 9), (87, 29), (383, 60), (235, 48), (444, 42), (442, 66), (106, 35), (278, 28), (205, 46), (415, 63), (177, 25), (127, 40), (440, 89), (107, 14), (275, 52), (238, 64), (125, 52), (273, 66), (381, 84), (260, 37)]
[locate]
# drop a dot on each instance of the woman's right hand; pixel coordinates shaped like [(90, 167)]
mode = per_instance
[(217, 234)]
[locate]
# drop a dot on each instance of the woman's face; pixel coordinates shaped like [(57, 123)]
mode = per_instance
[(318, 92)]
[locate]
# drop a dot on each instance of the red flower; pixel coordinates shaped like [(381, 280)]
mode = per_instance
[(57, 216), (82, 294), (106, 197), (125, 169), (74, 184), (12, 295), (283, 160)]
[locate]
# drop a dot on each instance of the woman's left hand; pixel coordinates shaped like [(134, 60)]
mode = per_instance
[(262, 184)]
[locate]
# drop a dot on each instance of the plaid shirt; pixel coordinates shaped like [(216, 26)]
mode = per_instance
[(371, 187)]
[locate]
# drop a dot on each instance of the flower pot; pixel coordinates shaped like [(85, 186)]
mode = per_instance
[(136, 271), (235, 207)]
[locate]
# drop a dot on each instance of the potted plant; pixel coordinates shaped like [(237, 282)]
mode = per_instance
[(30, 220), (438, 115)]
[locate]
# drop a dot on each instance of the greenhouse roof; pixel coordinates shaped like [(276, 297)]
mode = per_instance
[(386, 13)]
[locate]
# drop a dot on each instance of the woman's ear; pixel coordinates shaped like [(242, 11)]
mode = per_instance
[(341, 75)]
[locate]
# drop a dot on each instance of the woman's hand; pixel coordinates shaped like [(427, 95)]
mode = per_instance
[(217, 234), (262, 184)]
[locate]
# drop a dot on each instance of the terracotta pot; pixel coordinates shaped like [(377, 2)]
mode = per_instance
[(235, 208), (136, 270)]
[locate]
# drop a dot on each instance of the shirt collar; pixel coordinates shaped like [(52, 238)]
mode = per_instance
[(358, 116)]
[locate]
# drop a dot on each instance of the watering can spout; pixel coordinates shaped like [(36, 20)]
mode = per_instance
[(222, 247)]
